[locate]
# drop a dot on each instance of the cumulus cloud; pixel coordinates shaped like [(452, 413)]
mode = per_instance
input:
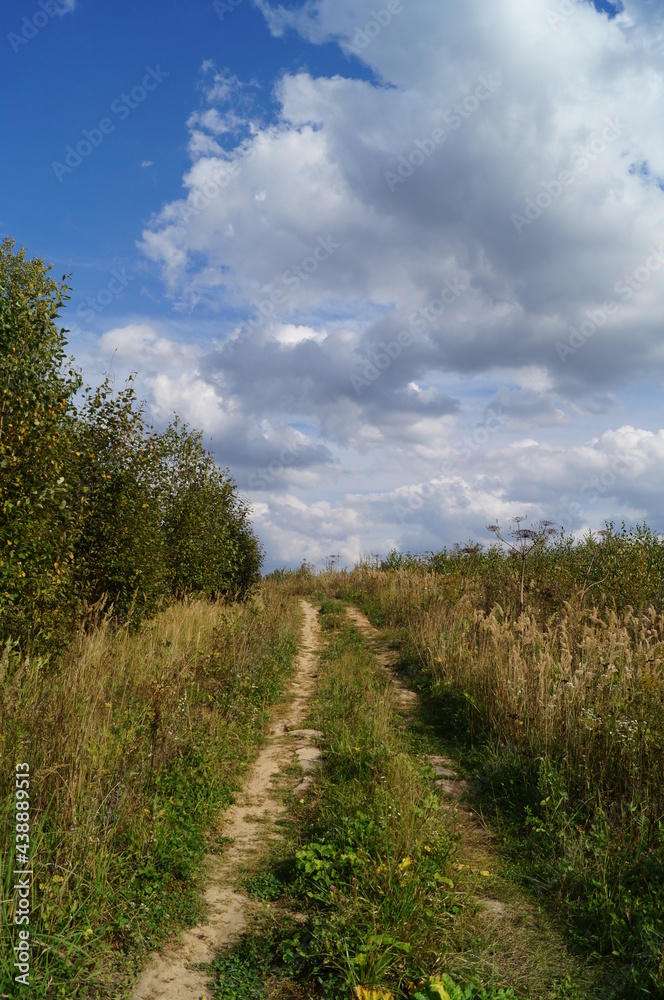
[(492, 195)]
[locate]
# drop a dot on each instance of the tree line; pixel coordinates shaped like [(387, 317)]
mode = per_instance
[(97, 508)]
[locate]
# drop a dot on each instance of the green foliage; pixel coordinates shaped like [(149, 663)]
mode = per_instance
[(37, 415), (444, 988), (240, 974), (209, 541), (264, 885), (96, 508), (120, 550)]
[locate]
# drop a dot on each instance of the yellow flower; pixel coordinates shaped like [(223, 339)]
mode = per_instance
[(427, 849), (363, 993), (87, 934), (485, 873), (405, 864)]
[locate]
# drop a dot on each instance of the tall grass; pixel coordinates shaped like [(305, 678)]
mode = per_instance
[(135, 742), (566, 703)]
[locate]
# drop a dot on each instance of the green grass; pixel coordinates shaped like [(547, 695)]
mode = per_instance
[(122, 825), (368, 864), (558, 716)]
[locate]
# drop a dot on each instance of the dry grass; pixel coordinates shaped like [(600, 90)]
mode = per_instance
[(134, 741), (563, 707)]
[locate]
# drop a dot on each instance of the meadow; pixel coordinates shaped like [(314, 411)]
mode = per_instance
[(136, 742), (556, 710)]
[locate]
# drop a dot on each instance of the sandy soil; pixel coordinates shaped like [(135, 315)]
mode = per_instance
[(251, 822)]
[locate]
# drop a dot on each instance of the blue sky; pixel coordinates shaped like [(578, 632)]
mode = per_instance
[(66, 78), (449, 214)]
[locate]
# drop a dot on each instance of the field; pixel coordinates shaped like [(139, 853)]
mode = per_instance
[(540, 875)]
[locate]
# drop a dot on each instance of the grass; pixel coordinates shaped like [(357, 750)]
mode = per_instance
[(368, 895), (136, 744), (558, 714)]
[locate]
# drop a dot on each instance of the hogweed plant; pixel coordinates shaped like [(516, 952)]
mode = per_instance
[(525, 542)]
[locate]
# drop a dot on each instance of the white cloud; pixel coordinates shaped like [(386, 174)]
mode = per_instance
[(521, 207)]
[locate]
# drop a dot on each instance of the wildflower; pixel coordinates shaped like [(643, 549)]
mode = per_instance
[(427, 849), (87, 933), (405, 864)]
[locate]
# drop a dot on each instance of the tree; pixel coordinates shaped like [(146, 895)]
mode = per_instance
[(95, 506), (37, 414), (120, 549), (210, 544)]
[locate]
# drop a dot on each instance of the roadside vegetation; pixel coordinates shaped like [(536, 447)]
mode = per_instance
[(139, 655), (98, 510), (556, 712), (136, 743), (372, 896)]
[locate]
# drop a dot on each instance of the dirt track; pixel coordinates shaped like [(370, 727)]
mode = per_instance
[(251, 822)]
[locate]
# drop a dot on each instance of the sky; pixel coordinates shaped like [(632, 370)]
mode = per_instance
[(402, 261)]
